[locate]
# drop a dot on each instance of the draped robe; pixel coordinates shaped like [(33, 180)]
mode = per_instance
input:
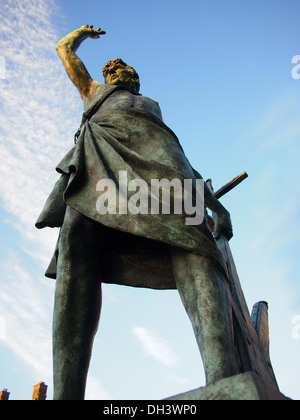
[(120, 132)]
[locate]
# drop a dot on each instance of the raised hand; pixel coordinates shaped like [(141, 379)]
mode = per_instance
[(90, 32), (223, 225), (66, 49)]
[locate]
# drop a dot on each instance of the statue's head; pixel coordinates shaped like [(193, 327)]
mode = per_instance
[(116, 72)]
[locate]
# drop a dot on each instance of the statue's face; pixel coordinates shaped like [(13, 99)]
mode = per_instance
[(118, 74)]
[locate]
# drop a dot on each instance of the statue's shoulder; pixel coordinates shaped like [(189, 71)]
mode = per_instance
[(98, 90)]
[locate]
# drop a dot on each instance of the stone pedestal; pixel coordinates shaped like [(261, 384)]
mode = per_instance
[(245, 386)]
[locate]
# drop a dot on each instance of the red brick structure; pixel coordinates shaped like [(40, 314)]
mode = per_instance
[(40, 392), (4, 395)]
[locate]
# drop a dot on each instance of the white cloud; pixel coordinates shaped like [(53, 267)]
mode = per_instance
[(279, 125), (95, 391), (177, 379), (26, 315), (39, 114), (155, 346), (268, 256)]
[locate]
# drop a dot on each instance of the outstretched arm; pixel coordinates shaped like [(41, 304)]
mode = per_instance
[(76, 70)]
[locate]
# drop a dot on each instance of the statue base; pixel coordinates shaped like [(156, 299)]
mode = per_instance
[(245, 386)]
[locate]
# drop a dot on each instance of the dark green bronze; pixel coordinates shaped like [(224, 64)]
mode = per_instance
[(122, 130)]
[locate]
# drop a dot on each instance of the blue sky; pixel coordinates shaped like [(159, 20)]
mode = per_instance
[(222, 74)]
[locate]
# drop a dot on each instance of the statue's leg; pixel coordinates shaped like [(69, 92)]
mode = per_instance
[(204, 293), (77, 305)]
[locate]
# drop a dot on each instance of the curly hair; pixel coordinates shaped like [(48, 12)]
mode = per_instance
[(135, 77)]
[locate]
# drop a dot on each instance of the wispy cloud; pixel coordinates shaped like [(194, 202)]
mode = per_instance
[(175, 379), (95, 390), (155, 346), (267, 257), (25, 311), (273, 144), (40, 111), (39, 114)]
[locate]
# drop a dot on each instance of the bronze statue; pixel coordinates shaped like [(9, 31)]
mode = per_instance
[(122, 130)]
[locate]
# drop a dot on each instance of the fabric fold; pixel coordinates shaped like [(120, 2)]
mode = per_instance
[(143, 148)]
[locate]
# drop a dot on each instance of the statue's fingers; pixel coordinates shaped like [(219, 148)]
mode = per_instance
[(91, 26), (99, 31)]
